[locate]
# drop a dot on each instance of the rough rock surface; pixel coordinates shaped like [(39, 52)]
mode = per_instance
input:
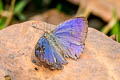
[(100, 59)]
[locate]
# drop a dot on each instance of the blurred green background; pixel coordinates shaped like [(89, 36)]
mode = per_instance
[(15, 11)]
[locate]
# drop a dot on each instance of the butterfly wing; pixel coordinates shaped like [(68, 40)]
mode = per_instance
[(47, 53), (71, 36)]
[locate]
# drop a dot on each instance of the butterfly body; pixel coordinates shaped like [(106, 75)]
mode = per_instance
[(49, 38), (67, 40)]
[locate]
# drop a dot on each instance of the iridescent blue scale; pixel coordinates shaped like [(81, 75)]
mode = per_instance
[(67, 40)]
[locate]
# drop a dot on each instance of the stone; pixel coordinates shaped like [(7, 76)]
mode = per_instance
[(100, 59)]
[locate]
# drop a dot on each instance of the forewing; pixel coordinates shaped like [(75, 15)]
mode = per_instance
[(47, 53), (71, 36)]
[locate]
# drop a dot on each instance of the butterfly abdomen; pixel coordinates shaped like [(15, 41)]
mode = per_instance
[(48, 51)]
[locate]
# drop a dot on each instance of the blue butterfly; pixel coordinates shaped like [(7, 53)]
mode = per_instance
[(67, 40)]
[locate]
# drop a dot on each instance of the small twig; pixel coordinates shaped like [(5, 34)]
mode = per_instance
[(114, 37), (111, 23), (11, 13), (83, 11), (109, 26)]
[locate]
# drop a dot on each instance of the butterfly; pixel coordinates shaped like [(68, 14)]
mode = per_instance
[(66, 41)]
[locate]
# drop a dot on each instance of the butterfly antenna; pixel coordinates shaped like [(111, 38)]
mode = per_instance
[(49, 27), (46, 22), (34, 25), (45, 28)]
